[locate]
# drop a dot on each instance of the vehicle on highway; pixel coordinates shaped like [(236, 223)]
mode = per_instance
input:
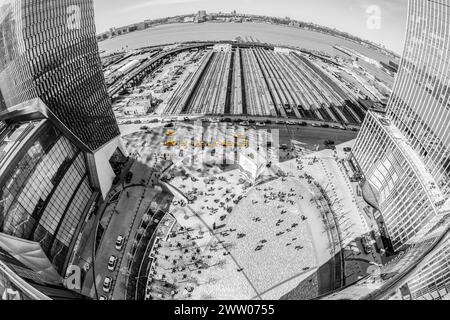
[(107, 284), (315, 125), (112, 263), (119, 242), (303, 124), (325, 125)]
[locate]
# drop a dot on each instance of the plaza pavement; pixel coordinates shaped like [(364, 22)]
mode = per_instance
[(232, 268)]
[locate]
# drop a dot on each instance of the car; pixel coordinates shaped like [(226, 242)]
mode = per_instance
[(112, 262), (102, 297), (244, 123), (325, 125), (315, 125), (119, 242), (303, 124), (268, 122), (107, 282), (260, 124), (291, 123), (186, 119), (144, 128), (280, 122)]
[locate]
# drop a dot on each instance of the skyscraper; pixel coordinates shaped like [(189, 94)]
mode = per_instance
[(404, 157), (48, 50), (57, 130), (405, 153)]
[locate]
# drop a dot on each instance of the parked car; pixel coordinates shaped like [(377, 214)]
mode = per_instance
[(119, 242), (112, 262), (107, 284), (260, 124)]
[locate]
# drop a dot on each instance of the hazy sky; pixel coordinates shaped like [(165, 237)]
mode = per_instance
[(345, 15)]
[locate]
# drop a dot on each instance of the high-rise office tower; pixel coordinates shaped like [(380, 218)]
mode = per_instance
[(405, 153), (404, 157), (46, 191), (48, 50), (58, 132)]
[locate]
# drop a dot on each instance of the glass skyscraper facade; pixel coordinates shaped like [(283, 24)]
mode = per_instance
[(404, 154), (48, 49), (44, 188)]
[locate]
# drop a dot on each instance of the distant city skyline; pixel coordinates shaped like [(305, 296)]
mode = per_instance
[(352, 16)]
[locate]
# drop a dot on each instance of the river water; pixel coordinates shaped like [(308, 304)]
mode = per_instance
[(273, 34)]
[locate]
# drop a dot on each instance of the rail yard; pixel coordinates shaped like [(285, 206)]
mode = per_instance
[(252, 80)]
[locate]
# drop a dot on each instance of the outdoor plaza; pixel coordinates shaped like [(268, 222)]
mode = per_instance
[(228, 234)]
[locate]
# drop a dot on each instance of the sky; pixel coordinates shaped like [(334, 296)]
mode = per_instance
[(380, 21)]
